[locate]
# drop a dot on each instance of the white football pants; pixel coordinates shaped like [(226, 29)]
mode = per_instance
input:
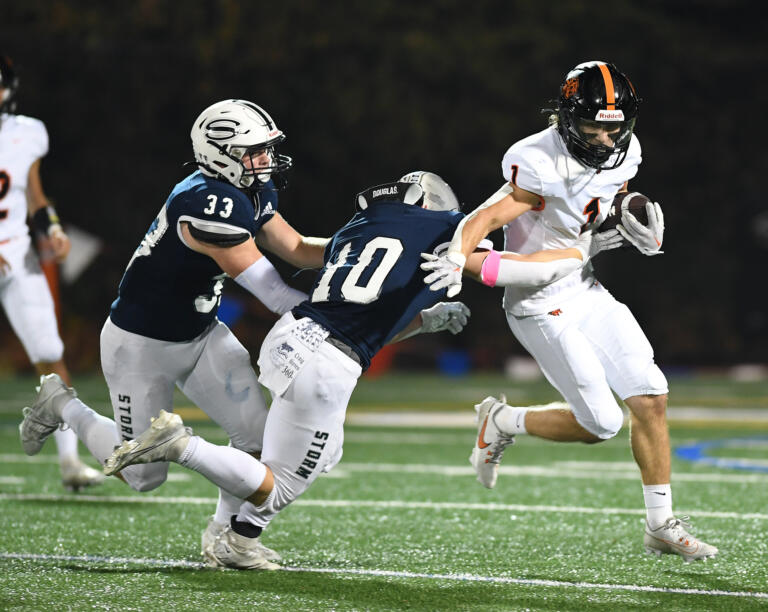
[(304, 433), (214, 371), (26, 299), (591, 344)]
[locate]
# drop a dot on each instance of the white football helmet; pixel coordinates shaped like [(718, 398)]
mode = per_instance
[(228, 131), (438, 194)]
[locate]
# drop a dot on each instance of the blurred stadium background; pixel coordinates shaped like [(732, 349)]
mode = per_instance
[(368, 91)]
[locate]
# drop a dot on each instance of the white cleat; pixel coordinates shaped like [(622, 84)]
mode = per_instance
[(213, 530), (44, 417), (490, 443), (165, 440), (76, 475), (240, 552), (673, 538), (212, 533)]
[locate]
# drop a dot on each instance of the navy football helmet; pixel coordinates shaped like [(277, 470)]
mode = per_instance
[(596, 98)]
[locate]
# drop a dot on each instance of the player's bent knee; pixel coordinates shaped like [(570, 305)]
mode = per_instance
[(605, 425), (47, 352)]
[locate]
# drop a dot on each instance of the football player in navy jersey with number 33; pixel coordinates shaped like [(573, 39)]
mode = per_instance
[(162, 331)]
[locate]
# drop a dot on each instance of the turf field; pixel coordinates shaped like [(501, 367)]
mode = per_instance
[(401, 523)]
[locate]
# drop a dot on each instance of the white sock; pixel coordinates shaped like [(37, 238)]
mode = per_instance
[(97, 432), (258, 515), (66, 444), (511, 420), (235, 471), (658, 504), (226, 506)]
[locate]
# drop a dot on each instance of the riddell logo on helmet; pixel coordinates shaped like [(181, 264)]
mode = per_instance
[(609, 115)]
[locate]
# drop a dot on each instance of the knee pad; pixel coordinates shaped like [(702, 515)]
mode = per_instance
[(604, 424), (46, 349)]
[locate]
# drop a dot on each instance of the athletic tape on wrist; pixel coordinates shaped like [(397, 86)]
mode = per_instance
[(45, 219)]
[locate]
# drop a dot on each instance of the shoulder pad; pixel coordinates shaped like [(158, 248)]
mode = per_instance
[(217, 234)]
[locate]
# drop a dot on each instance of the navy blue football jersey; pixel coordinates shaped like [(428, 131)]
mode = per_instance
[(372, 286), (168, 291)]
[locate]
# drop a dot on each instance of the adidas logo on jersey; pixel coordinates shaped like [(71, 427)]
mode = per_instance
[(268, 210)]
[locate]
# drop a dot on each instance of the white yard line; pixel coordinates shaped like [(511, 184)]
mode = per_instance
[(582, 470), (353, 503), (393, 574)]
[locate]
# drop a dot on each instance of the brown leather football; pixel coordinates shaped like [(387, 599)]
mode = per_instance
[(632, 201)]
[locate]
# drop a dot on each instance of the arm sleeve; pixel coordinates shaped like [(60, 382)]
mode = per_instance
[(263, 281), (532, 274)]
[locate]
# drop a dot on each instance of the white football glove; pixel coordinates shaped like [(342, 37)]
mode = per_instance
[(452, 316), (445, 271), (590, 243), (647, 240)]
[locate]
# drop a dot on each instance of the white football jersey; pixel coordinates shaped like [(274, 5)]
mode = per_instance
[(23, 140), (571, 196)]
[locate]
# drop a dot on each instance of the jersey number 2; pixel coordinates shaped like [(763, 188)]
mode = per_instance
[(350, 290)]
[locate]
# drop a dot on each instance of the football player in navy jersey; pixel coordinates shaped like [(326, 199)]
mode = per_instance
[(162, 330), (369, 293)]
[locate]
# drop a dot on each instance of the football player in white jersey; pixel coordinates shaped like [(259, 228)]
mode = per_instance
[(559, 182), (24, 293), (162, 330)]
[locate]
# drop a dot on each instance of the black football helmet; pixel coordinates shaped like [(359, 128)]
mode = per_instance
[(596, 97), (9, 82)]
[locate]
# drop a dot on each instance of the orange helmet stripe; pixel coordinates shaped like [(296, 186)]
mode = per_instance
[(610, 95)]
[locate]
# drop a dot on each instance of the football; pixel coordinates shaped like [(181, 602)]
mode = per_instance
[(632, 201)]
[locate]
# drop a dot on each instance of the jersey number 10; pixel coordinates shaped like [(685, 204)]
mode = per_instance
[(350, 290)]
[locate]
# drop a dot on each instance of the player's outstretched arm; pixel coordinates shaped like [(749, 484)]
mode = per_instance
[(494, 268), (506, 204), (280, 238), (251, 270)]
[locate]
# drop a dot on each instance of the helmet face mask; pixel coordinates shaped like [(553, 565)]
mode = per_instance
[(596, 114), (9, 83), (231, 138)]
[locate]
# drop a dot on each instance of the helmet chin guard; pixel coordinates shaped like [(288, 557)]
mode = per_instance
[(596, 97), (230, 131)]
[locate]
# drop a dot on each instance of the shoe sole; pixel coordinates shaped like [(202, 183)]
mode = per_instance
[(655, 552)]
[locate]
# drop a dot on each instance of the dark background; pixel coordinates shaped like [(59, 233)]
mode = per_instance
[(366, 91)]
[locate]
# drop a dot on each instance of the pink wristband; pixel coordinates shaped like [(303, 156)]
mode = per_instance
[(489, 272)]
